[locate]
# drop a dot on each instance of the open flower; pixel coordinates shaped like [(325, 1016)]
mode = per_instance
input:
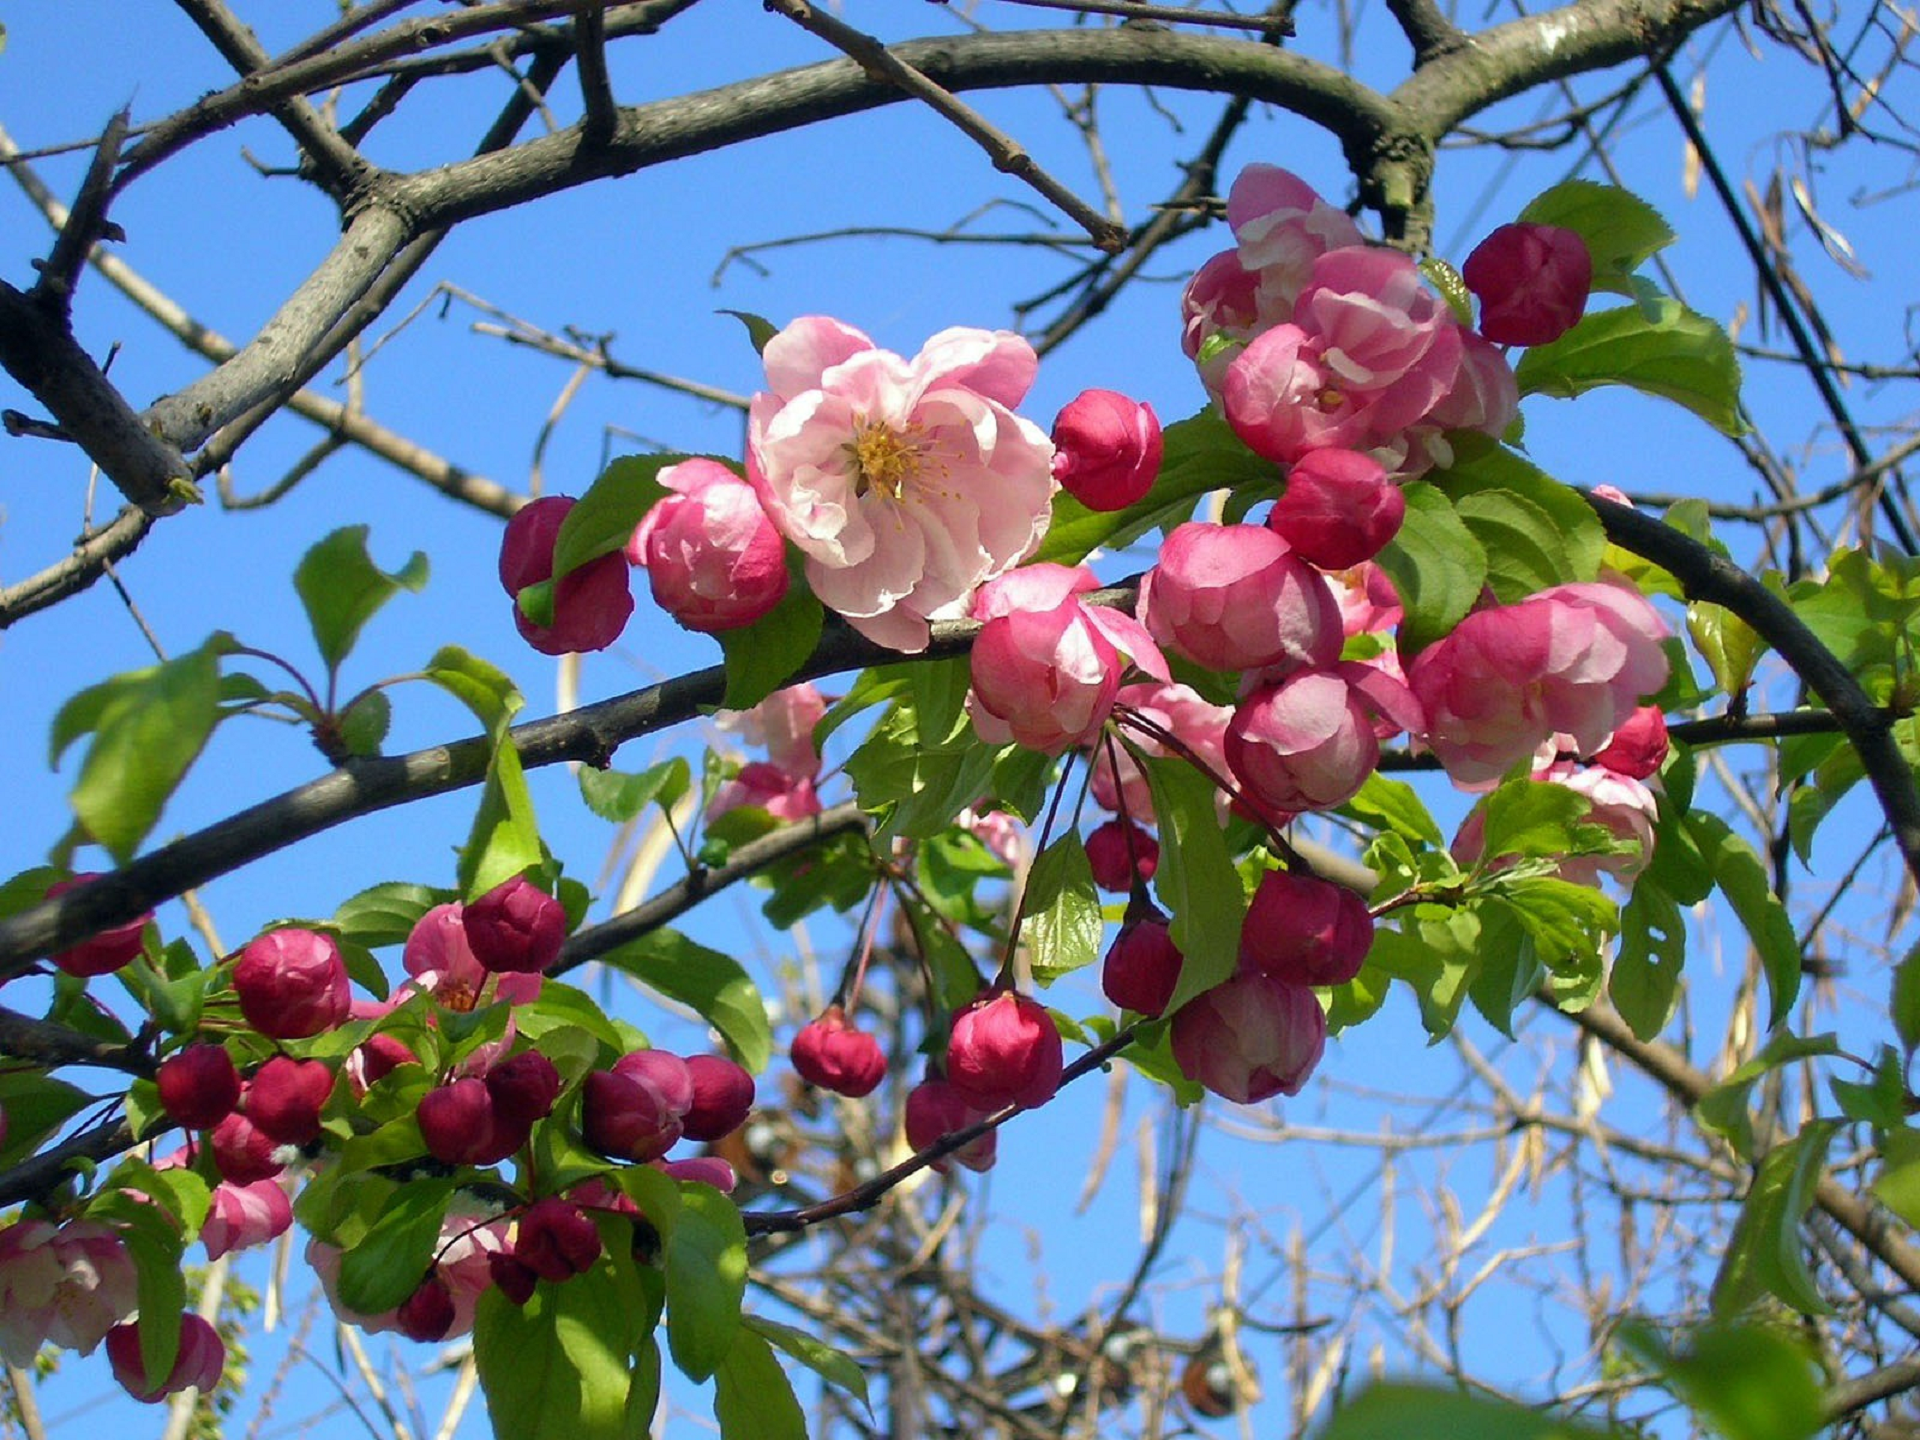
[(905, 482)]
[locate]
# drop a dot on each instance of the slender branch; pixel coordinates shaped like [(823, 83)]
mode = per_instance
[(1855, 1394), (45, 1043), (1427, 28), (1274, 27), (119, 538), (32, 1178), (596, 90), (85, 226)]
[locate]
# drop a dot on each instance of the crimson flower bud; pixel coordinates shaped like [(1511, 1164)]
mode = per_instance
[(556, 1240), (665, 1075), (516, 927), (515, 1280), (105, 952), (1532, 280), (1143, 967), (935, 1110), (381, 1055), (1339, 508), (242, 1152), (1106, 449), (524, 1088), (591, 605), (457, 1121), (1638, 746), (292, 983), (722, 1096), (198, 1086), (1004, 1050), (198, 1363), (427, 1314), (834, 1054), (286, 1096), (623, 1117), (1119, 851), (1253, 1037), (1306, 930)]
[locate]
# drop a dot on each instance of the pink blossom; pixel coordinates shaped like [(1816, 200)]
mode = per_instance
[(197, 1364), (440, 958), (243, 1216), (461, 1265), (1532, 282), (106, 951), (1305, 930), (1004, 835), (198, 1086), (285, 1097), (835, 1054), (624, 1117), (1574, 658), (292, 983), (705, 1169), (1222, 299), (64, 1286), (935, 1110), (1339, 509), (782, 725), (1106, 449), (722, 1097), (714, 559), (1234, 597), (780, 793), (1283, 227), (905, 483), (515, 928), (591, 605), (1309, 742), (1253, 1037), (1004, 1050), (1179, 710), (242, 1152), (1120, 853), (1369, 605), (1046, 668)]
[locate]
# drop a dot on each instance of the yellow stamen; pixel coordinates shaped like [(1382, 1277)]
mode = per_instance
[(882, 458)]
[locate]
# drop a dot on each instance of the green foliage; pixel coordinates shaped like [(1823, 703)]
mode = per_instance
[(1533, 530), (385, 914), (342, 589), (622, 798), (1394, 1411), (387, 1266), (1622, 231), (602, 520), (716, 986), (35, 1104), (1437, 566), (1645, 982), (1723, 1109), (915, 782), (765, 655), (704, 1251), (828, 1363), (1746, 1379), (1062, 924), (752, 1397), (1196, 880), (1742, 878), (505, 840), (1766, 1254), (1659, 347)]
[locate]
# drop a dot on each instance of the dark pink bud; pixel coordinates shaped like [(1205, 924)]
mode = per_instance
[(105, 952), (198, 1086), (1106, 449), (1143, 967), (457, 1121), (427, 1314), (286, 1096), (1338, 509), (524, 1088), (242, 1152), (198, 1364), (556, 1240), (835, 1055), (1305, 930), (713, 557), (381, 1055), (591, 605), (1251, 1038), (292, 983), (624, 1118), (1532, 281), (516, 927), (1119, 851), (1638, 748), (1235, 597), (1004, 1050), (665, 1075), (936, 1110), (515, 1280), (722, 1096)]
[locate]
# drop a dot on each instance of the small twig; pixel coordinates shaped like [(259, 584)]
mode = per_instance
[(86, 564), (596, 89), (86, 225), (1277, 26), (1006, 153)]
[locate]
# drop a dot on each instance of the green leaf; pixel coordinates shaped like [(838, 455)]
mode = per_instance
[(1645, 983), (1395, 805), (1622, 231), (1396, 1411), (602, 520), (1723, 1109), (1436, 566), (389, 1264), (505, 840), (483, 687), (765, 655), (1202, 455), (1453, 289), (1749, 1381), (1904, 1002), (829, 1364), (619, 797), (1742, 878), (706, 1259), (148, 727), (752, 1397), (385, 914), (35, 1105), (1196, 880), (1765, 1254), (1534, 530), (759, 329), (1730, 646), (713, 984), (1897, 1186), (1674, 354), (1531, 819), (1062, 908), (156, 1246), (342, 589), (363, 725), (1510, 970), (1435, 950)]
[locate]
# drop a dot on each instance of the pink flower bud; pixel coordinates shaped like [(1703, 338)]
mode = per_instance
[(1004, 1050), (665, 1075), (1532, 281), (67, 1286), (198, 1364), (105, 952), (292, 983), (198, 1086), (1106, 449), (714, 559), (621, 1117), (706, 1169), (1233, 597), (591, 605), (458, 1123), (515, 1279), (378, 1057), (1250, 1038), (1639, 745), (286, 1096), (936, 1110), (523, 1089), (243, 1216), (1338, 509), (834, 1054), (1309, 743), (722, 1097), (427, 1315), (1305, 930), (242, 1152), (556, 1240), (1143, 967), (516, 927), (1119, 851)]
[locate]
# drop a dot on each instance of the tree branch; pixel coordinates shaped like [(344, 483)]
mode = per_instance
[(89, 560)]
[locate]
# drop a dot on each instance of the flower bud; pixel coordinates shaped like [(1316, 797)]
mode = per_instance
[(1119, 851), (515, 1279), (707, 1169), (1004, 1050), (713, 557), (664, 1074), (427, 1314), (197, 1364), (591, 605), (935, 1110), (516, 927), (556, 1240), (1305, 930), (523, 1088), (834, 1054), (625, 1118), (722, 1096), (102, 953), (458, 1123), (1250, 1038), (286, 1096), (242, 1216), (1106, 449), (292, 983), (1338, 509), (1234, 597), (242, 1152), (380, 1055), (1638, 747), (1532, 281), (1143, 967), (198, 1086)]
